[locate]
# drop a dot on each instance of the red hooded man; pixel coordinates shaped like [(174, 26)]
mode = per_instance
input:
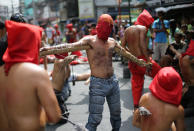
[(27, 99), (164, 103), (71, 37), (134, 41), (103, 83)]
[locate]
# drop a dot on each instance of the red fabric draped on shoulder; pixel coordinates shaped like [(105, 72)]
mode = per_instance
[(23, 43)]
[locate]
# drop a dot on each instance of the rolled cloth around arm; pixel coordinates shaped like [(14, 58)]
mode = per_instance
[(23, 44)]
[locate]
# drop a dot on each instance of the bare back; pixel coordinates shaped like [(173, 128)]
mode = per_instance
[(163, 115), (100, 57), (134, 39), (22, 100)]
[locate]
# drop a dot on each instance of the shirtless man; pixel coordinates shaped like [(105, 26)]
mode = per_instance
[(134, 41), (27, 99), (103, 83), (163, 102)]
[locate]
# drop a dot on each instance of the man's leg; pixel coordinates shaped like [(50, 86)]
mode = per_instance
[(156, 52), (62, 105), (113, 101), (96, 103), (163, 47), (137, 82), (165, 61)]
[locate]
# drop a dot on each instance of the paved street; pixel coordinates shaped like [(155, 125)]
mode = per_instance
[(78, 102)]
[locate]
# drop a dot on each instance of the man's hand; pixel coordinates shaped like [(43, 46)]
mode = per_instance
[(44, 48), (148, 68)]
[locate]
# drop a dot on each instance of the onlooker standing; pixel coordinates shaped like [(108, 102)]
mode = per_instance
[(57, 35), (50, 34), (160, 27)]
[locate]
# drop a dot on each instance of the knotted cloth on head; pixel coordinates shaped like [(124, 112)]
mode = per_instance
[(23, 44), (144, 19), (104, 26), (167, 86)]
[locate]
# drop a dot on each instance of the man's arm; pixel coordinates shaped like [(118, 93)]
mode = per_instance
[(47, 97), (124, 42), (143, 44), (82, 44), (136, 119), (120, 50), (179, 123), (178, 55)]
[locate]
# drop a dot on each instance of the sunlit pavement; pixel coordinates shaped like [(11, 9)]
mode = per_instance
[(78, 102)]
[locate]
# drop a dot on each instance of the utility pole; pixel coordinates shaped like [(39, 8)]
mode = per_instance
[(12, 7), (119, 8), (129, 12), (34, 12)]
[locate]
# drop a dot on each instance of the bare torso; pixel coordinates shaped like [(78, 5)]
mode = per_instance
[(133, 36), (20, 108), (100, 57), (163, 114)]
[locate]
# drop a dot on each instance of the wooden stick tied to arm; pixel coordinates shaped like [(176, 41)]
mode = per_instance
[(59, 49), (120, 50)]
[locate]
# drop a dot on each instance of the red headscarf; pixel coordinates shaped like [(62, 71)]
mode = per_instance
[(167, 86), (104, 26), (144, 19), (69, 26), (23, 43), (56, 26)]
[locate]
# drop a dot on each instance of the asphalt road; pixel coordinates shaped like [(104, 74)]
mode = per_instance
[(78, 102)]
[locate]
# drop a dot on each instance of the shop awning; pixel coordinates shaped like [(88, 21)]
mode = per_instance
[(175, 7)]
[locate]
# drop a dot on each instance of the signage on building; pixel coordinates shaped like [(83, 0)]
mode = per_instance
[(86, 9), (3, 11), (106, 2)]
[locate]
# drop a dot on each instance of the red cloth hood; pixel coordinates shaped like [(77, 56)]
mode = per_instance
[(144, 19), (93, 32), (167, 86), (104, 26), (190, 50), (69, 26), (23, 43)]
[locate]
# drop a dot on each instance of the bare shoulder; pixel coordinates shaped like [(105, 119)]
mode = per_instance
[(144, 98), (88, 39), (111, 39), (31, 72)]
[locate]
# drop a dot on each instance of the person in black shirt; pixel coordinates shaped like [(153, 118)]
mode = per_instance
[(170, 59)]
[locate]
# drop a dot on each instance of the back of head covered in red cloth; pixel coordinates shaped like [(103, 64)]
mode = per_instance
[(23, 44), (104, 26), (144, 19), (167, 86), (69, 26)]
